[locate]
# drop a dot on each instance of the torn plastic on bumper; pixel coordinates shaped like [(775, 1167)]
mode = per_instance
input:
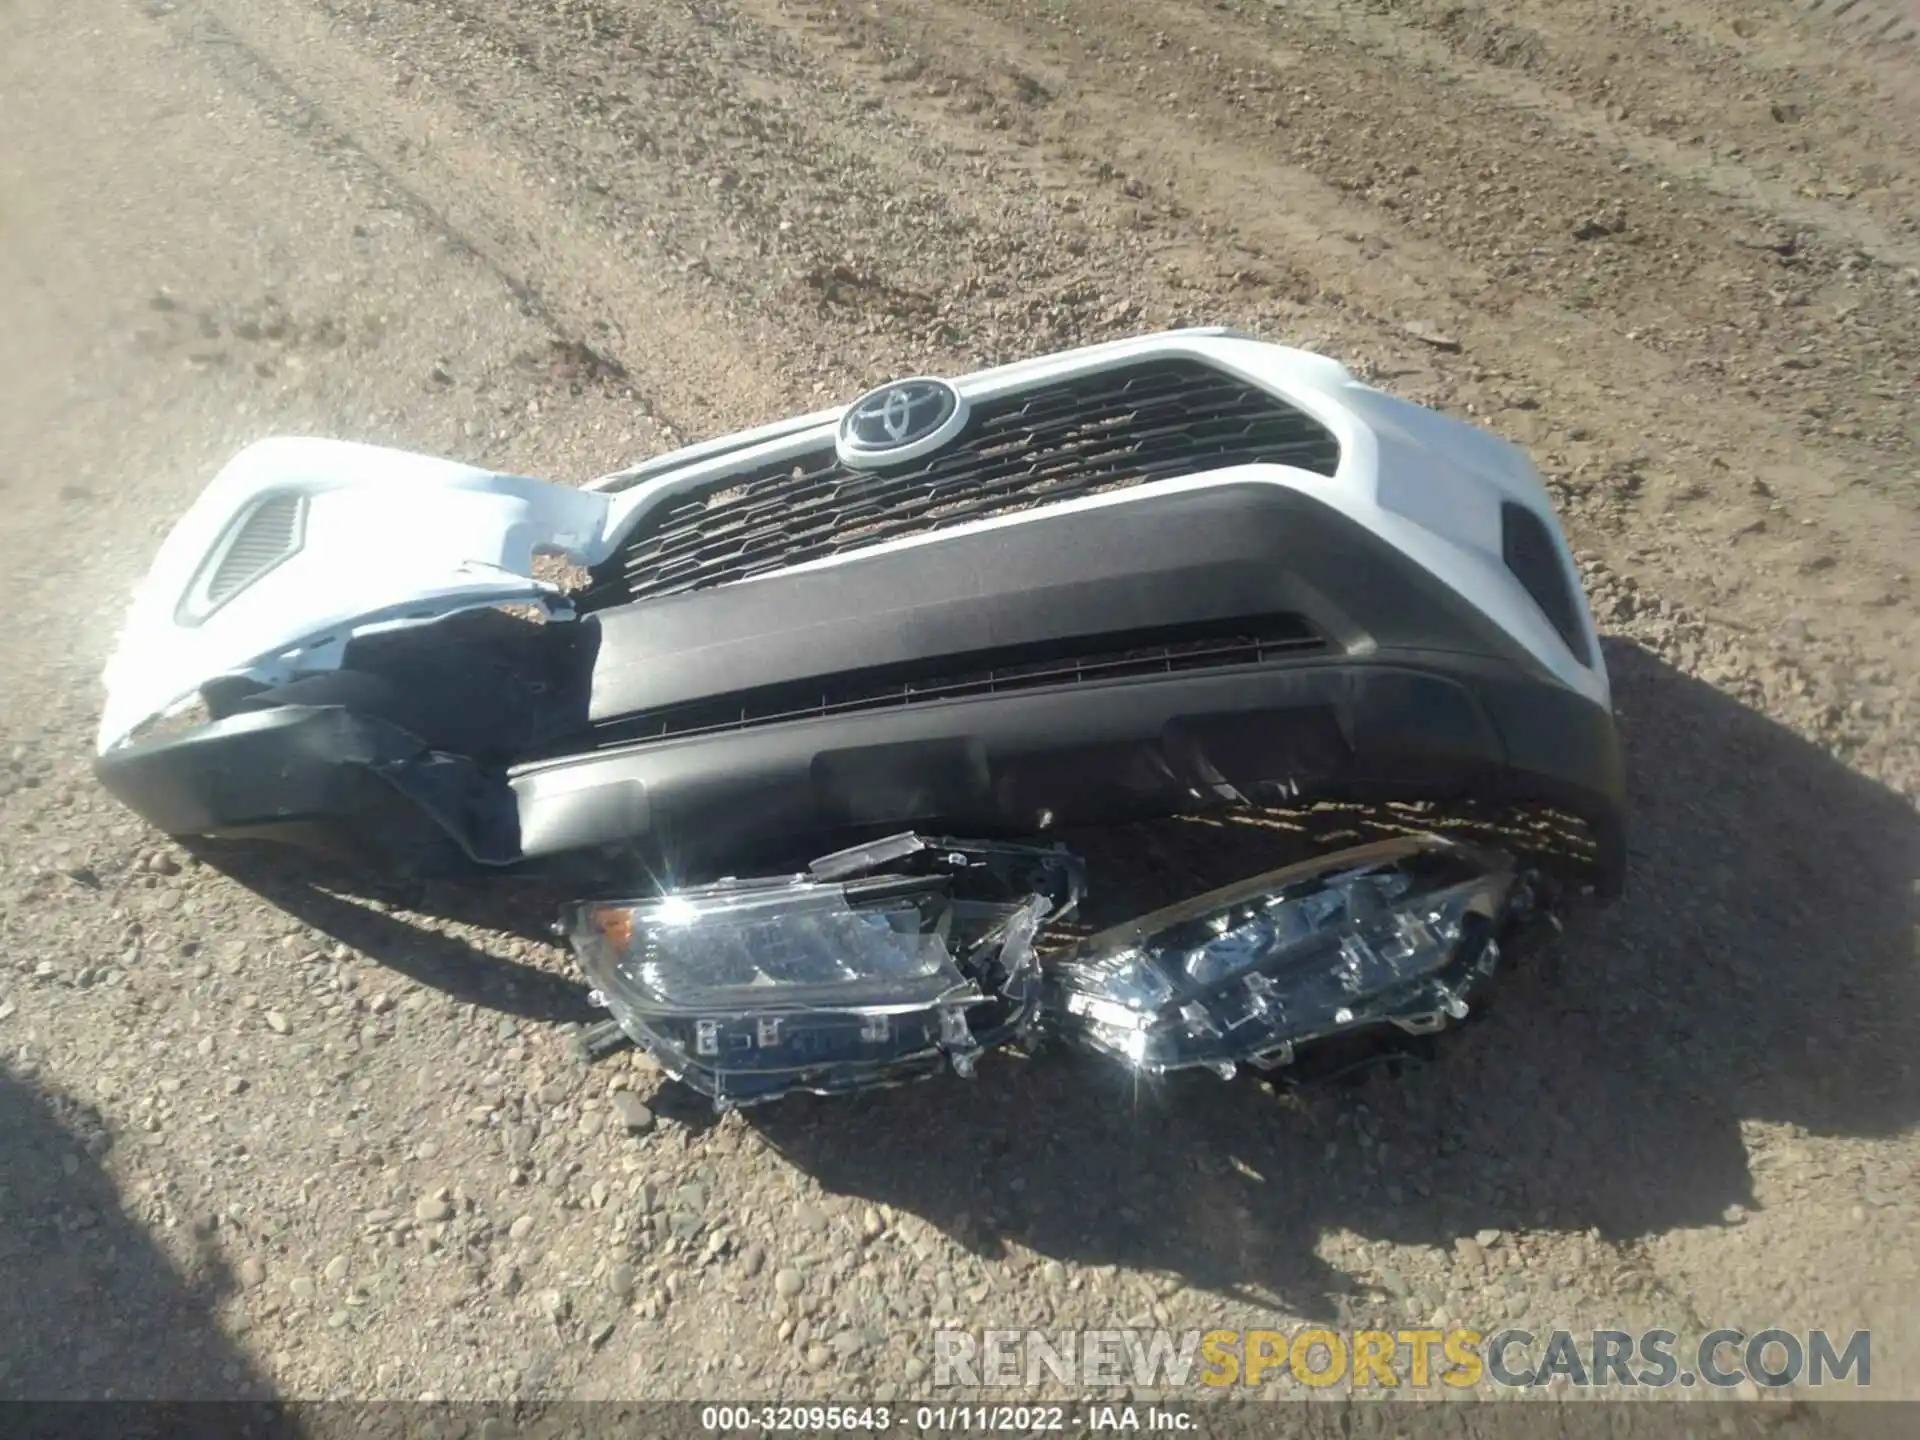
[(894, 960)]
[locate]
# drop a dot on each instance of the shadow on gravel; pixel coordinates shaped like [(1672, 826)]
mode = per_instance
[(354, 909), (1759, 968), (90, 1308)]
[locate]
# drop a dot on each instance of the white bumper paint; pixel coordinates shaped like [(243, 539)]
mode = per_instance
[(396, 538), (389, 537)]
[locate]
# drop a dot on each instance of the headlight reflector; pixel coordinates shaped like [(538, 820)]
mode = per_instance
[(1396, 932), (833, 980)]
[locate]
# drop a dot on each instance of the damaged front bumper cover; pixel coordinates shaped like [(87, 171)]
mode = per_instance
[(896, 960)]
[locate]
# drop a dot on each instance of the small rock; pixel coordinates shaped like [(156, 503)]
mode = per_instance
[(752, 1260), (521, 1228), (277, 1023), (848, 1343), (1469, 1253), (602, 1333), (818, 1356), (620, 1282), (1488, 1238), (632, 1112), (914, 1371), (1428, 335), (431, 1209), (336, 1270), (302, 1289), (811, 1218), (1054, 1273), (872, 1225), (253, 1273), (788, 1282)]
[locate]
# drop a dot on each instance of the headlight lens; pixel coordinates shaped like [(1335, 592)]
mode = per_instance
[(1397, 932), (833, 980)]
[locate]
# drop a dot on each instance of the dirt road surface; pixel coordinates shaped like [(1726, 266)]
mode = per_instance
[(270, 1138)]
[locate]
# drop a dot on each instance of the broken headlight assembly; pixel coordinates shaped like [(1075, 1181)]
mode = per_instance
[(878, 965), (1397, 933), (895, 960)]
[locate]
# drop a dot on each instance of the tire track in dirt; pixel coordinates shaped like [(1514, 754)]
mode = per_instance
[(1561, 221), (775, 187), (713, 153), (1869, 22), (1042, 238), (1585, 389), (1774, 145), (687, 368), (1193, 213)]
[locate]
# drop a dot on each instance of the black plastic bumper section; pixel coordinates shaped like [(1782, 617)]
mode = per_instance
[(351, 785), (1020, 764), (1413, 695)]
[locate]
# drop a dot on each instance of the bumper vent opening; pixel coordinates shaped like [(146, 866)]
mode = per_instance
[(1106, 430), (1055, 664), (271, 531), (1534, 559)]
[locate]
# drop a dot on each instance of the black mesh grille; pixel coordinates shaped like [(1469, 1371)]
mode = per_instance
[(1103, 431), (1206, 646)]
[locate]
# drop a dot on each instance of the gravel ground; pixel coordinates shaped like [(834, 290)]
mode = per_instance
[(265, 1134)]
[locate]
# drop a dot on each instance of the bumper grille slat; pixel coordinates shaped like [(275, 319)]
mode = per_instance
[(1108, 430), (1208, 645)]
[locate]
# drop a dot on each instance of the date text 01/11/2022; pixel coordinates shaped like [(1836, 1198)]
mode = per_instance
[(955, 1419)]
